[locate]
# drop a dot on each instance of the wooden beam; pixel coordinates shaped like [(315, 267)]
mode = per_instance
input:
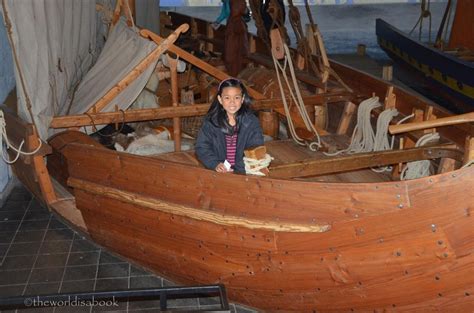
[(346, 118), (138, 115), (174, 99), (444, 121), (468, 151), (138, 70), (211, 70), (339, 164), (303, 76)]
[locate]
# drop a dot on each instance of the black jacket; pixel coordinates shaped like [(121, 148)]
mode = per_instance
[(211, 147)]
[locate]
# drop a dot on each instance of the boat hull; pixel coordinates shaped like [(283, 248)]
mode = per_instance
[(446, 76), (282, 245)]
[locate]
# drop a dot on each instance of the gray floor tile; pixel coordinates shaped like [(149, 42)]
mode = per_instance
[(44, 275), (6, 236), (83, 245), (78, 286), (37, 215), (18, 262), (113, 270), (34, 225), (15, 206), (30, 248), (6, 216), (9, 226), (35, 289), (55, 247), (51, 260), (19, 195), (106, 257), (59, 234), (137, 271), (36, 205), (29, 236), (83, 258), (56, 224), (14, 277), (112, 284), (80, 272), (146, 282), (11, 290)]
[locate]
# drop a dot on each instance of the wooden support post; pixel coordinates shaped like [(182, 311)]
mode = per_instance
[(346, 118), (252, 44), (320, 116), (468, 150), (210, 35), (390, 99), (387, 72), (361, 49), (174, 96), (311, 39), (269, 122), (429, 116), (194, 28), (446, 165)]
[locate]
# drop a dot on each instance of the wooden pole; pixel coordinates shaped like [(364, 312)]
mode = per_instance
[(138, 70), (138, 115), (174, 99), (445, 121), (211, 70)]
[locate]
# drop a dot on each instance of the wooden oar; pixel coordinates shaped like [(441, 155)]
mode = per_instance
[(444, 121)]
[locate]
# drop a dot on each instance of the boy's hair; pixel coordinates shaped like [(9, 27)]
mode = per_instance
[(218, 116)]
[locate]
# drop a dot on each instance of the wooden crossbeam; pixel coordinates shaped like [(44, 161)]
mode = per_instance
[(138, 115), (339, 164), (211, 70), (445, 121), (138, 70)]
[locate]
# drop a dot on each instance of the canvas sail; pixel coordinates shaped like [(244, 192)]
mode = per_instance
[(56, 46)]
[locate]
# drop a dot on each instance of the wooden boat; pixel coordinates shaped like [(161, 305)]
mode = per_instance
[(447, 69), (319, 234)]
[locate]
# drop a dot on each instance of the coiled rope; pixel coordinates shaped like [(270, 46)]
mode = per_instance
[(4, 139), (253, 166), (418, 169)]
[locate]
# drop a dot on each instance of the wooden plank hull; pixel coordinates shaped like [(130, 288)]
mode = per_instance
[(405, 245), (451, 78)]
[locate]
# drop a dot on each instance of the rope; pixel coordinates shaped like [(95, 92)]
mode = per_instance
[(4, 138), (418, 169), (363, 138), (253, 166), (296, 98), (105, 135)]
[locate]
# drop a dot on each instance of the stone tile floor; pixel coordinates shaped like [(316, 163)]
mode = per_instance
[(39, 254)]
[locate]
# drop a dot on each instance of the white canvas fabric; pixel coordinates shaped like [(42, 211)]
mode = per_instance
[(55, 43), (123, 50)]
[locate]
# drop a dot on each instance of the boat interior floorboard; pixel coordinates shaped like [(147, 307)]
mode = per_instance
[(287, 151)]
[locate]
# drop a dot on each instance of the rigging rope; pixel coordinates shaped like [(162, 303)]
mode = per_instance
[(296, 97), (4, 139), (418, 169)]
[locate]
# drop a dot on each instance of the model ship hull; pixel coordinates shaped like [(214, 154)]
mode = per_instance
[(447, 76), (282, 245), (278, 244)]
